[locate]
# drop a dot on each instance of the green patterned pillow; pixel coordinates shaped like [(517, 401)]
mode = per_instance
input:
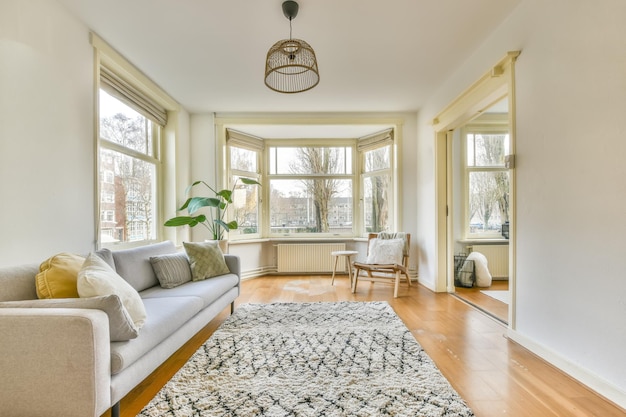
[(206, 260)]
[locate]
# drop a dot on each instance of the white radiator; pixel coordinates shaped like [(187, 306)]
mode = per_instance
[(497, 259), (307, 257)]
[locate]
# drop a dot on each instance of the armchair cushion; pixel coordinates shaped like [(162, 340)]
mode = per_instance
[(385, 251)]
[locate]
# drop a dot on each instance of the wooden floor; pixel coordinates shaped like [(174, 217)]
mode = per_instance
[(496, 376), (489, 305)]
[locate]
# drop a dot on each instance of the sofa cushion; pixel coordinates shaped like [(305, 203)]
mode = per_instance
[(134, 264), (57, 276), (121, 326), (206, 260), (107, 256), (97, 278), (208, 290), (171, 269), (165, 316), (18, 282)]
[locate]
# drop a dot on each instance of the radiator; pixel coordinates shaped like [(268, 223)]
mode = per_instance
[(307, 257), (497, 259)]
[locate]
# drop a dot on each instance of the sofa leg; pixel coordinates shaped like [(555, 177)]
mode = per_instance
[(232, 307), (115, 410)]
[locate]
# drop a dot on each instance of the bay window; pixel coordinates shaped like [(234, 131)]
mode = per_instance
[(313, 187)]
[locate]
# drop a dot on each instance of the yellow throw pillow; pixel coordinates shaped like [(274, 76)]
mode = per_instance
[(57, 276)]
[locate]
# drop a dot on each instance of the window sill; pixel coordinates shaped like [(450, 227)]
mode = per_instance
[(495, 241)]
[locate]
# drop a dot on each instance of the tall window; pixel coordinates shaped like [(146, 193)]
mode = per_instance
[(245, 207), (487, 180), (376, 188), (311, 189), (128, 150), (314, 187)]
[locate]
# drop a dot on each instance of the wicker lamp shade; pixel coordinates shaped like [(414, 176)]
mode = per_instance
[(291, 66)]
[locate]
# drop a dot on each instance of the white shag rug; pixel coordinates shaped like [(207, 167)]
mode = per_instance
[(500, 295), (309, 359)]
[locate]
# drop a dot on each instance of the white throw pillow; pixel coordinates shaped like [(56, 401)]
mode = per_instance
[(481, 268), (385, 251), (97, 278)]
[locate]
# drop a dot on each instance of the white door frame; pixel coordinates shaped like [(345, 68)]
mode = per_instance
[(497, 83)]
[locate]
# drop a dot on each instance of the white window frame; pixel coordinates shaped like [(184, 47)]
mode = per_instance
[(256, 145), (160, 106), (357, 176), (494, 126), (353, 177)]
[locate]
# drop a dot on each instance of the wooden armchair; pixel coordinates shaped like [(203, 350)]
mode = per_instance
[(386, 258)]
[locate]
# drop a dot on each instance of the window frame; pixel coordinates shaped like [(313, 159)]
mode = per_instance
[(493, 125), (364, 175), (152, 158), (387, 135), (255, 175), (165, 113), (299, 143)]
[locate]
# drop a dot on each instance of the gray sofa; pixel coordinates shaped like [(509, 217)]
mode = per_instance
[(61, 362)]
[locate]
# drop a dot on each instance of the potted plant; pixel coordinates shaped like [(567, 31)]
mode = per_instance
[(215, 223)]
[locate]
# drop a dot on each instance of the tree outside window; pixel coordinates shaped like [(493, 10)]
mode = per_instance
[(313, 187), (128, 166), (487, 182)]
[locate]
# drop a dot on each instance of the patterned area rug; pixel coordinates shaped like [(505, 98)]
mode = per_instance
[(309, 359)]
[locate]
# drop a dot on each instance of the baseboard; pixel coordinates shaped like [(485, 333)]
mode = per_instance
[(582, 375), (257, 272)]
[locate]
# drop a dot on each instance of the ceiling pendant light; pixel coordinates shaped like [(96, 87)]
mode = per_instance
[(291, 66)]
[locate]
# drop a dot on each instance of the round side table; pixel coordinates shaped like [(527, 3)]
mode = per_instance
[(347, 254)]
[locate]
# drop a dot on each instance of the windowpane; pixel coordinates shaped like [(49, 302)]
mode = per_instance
[(311, 206), (128, 173), (310, 160), (128, 201), (245, 209), (243, 159), (488, 201), (377, 159), (376, 202), (487, 150), (122, 125)]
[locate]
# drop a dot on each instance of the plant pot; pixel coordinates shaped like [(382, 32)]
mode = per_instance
[(223, 244)]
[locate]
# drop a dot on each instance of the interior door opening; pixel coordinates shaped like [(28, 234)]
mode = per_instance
[(480, 210), (460, 229)]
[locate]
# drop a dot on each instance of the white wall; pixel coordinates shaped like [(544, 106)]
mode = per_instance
[(47, 144), (46, 133), (571, 197)]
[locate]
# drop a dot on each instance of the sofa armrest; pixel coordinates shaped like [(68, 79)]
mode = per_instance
[(54, 362), (233, 263)]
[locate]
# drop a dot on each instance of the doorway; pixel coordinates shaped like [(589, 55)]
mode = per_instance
[(480, 210), (453, 236)]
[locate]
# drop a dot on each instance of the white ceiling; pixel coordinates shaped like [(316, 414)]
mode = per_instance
[(374, 55)]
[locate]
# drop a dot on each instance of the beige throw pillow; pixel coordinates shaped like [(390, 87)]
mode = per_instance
[(121, 326), (385, 251), (97, 278), (206, 260)]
